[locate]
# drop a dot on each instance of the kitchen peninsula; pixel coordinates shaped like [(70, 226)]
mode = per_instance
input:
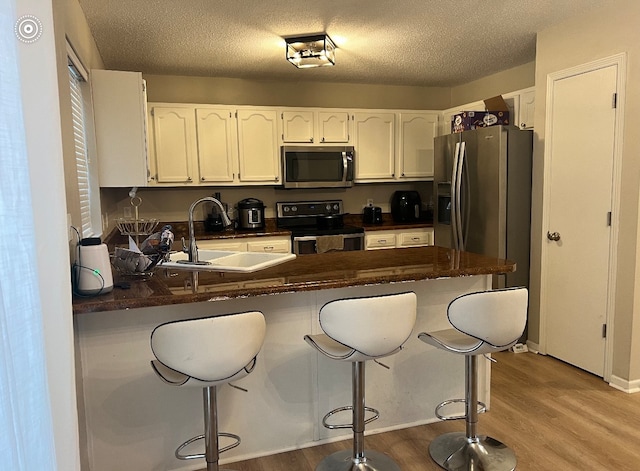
[(133, 421)]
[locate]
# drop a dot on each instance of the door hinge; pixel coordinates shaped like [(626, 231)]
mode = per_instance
[(615, 100), (604, 331), (609, 218)]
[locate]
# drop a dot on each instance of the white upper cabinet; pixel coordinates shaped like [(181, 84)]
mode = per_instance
[(174, 144), (333, 127), (298, 126), (417, 131), (217, 145), (374, 142), (258, 149), (120, 115), (305, 126), (527, 108)]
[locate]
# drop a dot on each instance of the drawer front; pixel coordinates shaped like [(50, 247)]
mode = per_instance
[(270, 246), (414, 239), (380, 240), (222, 244)]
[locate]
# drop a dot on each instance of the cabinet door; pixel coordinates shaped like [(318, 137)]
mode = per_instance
[(374, 145), (527, 108), (333, 126), (217, 144), (258, 146), (417, 131), (120, 115), (174, 144), (297, 126)]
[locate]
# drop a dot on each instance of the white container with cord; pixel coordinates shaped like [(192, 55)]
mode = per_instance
[(93, 268)]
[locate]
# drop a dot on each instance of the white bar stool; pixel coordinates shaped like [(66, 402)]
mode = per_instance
[(357, 330), (205, 353), (484, 322)]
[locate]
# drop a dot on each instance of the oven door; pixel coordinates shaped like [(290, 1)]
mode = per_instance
[(306, 245)]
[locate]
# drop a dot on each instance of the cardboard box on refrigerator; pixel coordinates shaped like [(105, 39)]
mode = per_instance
[(497, 114)]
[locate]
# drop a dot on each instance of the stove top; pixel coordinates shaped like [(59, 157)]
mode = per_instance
[(300, 217)]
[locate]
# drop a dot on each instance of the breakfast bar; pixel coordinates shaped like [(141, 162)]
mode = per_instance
[(130, 420)]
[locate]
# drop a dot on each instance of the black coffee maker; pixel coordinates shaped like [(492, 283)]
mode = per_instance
[(405, 206)]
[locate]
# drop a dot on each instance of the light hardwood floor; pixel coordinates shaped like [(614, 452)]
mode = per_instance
[(554, 416)]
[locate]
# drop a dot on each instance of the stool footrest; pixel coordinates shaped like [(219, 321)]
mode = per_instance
[(375, 413), (482, 408), (180, 456)]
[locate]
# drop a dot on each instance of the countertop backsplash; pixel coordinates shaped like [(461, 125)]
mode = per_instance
[(172, 204)]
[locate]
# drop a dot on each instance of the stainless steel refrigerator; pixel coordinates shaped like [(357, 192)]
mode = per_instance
[(482, 186)]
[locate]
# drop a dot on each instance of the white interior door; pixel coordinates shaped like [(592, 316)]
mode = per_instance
[(580, 191)]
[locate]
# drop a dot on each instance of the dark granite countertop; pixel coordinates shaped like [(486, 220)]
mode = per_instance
[(305, 273)]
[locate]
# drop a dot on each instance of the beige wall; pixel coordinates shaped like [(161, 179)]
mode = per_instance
[(230, 91), (577, 41), (511, 80)]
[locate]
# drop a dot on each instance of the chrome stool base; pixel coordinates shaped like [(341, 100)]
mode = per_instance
[(455, 452), (344, 461)]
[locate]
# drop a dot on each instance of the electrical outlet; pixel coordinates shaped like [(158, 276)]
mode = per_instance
[(369, 201), (127, 212)]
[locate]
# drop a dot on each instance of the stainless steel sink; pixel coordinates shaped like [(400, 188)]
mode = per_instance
[(221, 260)]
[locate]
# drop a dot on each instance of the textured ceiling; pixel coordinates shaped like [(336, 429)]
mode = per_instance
[(401, 42)]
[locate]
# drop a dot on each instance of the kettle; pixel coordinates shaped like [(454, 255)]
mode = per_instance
[(250, 214)]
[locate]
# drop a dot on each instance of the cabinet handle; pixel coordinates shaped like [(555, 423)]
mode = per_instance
[(277, 179), (382, 241), (523, 125), (201, 179), (417, 239), (311, 140), (189, 179), (322, 140), (268, 249)]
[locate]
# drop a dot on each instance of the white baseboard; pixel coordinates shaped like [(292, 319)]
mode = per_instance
[(533, 347), (625, 385)]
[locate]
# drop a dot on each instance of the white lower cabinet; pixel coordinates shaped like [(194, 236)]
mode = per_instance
[(375, 240), (269, 244)]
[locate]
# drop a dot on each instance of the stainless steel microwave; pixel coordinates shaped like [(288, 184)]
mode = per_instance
[(317, 167)]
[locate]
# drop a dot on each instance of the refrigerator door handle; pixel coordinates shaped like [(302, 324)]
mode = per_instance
[(458, 200), (454, 198), (464, 237)]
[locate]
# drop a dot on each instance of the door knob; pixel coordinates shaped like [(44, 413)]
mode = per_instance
[(553, 236)]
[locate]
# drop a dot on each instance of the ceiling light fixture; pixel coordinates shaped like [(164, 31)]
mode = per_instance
[(311, 51)]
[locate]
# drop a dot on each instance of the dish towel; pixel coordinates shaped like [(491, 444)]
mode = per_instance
[(329, 243)]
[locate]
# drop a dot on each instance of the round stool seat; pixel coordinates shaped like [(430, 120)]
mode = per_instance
[(208, 351)]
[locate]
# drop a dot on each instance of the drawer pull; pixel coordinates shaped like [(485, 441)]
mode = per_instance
[(268, 248)]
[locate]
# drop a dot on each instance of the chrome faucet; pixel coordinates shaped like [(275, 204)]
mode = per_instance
[(192, 250)]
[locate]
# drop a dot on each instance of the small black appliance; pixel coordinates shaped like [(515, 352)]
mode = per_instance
[(405, 206), (250, 214), (372, 215)]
